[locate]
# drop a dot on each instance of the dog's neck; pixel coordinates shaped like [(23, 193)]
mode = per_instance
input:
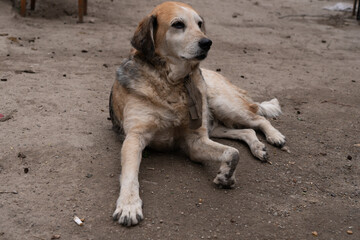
[(178, 70), (178, 73)]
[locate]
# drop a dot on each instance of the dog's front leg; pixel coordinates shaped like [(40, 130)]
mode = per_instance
[(202, 148), (129, 205)]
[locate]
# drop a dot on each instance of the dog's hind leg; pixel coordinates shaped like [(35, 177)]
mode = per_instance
[(273, 136), (202, 149), (230, 105), (234, 116), (257, 148)]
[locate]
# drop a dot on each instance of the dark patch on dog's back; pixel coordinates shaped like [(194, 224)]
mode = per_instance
[(127, 72)]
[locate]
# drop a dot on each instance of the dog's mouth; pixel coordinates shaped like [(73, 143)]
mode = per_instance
[(198, 57), (201, 57)]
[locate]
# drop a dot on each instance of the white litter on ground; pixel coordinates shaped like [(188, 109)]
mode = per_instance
[(340, 6)]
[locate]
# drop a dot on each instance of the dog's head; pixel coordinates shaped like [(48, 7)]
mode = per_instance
[(174, 31)]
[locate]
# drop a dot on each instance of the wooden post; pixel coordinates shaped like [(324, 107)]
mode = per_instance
[(32, 5), (85, 7), (23, 8), (354, 8), (81, 11)]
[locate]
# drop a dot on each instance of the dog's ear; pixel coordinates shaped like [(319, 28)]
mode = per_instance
[(143, 39)]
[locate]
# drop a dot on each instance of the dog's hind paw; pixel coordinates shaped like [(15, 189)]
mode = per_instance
[(276, 139), (128, 214), (259, 150)]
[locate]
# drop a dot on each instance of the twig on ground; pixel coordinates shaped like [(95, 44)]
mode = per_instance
[(13, 192), (305, 15)]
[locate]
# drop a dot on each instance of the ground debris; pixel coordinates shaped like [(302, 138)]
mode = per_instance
[(78, 221), (286, 149), (56, 236), (13, 39), (8, 116), (21, 155)]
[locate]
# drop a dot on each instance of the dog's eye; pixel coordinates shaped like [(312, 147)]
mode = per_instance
[(200, 24), (178, 25)]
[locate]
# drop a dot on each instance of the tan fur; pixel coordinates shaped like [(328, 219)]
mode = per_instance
[(149, 104)]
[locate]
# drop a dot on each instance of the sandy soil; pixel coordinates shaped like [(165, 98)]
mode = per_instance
[(60, 156)]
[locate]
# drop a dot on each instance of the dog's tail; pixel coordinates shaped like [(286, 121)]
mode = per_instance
[(269, 109)]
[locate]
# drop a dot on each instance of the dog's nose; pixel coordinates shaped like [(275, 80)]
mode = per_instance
[(205, 44)]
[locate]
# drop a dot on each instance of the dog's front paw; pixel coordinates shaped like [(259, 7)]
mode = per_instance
[(224, 181), (276, 139), (128, 212), (226, 175)]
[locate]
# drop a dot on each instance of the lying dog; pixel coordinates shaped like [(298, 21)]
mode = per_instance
[(162, 99)]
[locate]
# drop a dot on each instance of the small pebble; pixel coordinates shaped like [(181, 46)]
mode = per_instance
[(285, 149), (314, 233), (349, 232)]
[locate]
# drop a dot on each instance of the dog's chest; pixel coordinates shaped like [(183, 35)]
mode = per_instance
[(174, 104), (166, 101)]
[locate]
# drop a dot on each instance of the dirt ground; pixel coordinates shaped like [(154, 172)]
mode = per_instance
[(59, 156)]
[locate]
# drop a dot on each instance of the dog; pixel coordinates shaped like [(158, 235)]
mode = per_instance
[(162, 99)]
